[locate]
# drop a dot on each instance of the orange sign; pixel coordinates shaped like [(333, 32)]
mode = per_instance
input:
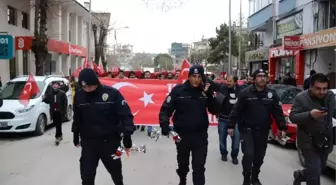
[(324, 38), (25, 43)]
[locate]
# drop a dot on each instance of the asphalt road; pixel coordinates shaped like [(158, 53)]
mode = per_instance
[(29, 160)]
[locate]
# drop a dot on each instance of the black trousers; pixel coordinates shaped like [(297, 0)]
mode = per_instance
[(254, 145), (57, 120), (197, 144), (315, 164), (92, 152)]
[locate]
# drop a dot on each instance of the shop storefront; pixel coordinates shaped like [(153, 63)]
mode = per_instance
[(257, 59), (321, 46), (282, 61), (287, 58)]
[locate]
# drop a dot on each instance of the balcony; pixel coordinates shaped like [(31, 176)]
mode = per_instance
[(286, 6), (258, 20)]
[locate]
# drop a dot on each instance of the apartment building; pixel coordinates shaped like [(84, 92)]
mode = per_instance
[(309, 25), (67, 25)]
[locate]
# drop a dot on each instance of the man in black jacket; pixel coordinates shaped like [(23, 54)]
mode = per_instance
[(227, 95), (253, 110), (306, 83), (313, 111), (189, 103), (58, 102), (101, 115)]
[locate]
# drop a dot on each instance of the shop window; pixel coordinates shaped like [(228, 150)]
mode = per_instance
[(25, 62), (25, 20), (12, 68), (332, 14), (11, 14)]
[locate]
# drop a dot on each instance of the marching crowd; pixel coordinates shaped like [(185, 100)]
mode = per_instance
[(103, 120)]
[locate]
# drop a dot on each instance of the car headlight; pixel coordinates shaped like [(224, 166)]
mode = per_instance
[(24, 110), (287, 119)]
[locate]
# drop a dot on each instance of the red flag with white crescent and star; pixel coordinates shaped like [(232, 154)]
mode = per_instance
[(30, 89)]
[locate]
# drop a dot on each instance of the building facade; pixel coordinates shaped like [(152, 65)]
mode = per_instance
[(308, 24), (180, 51), (67, 31)]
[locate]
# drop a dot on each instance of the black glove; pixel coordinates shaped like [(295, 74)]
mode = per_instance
[(127, 141), (165, 131), (76, 139)]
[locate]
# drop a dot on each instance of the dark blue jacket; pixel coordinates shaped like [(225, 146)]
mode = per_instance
[(103, 114), (189, 106)]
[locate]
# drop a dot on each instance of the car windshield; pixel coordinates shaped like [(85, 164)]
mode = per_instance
[(13, 89), (286, 93)]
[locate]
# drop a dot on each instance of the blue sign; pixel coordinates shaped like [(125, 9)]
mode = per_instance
[(6, 47), (177, 48)]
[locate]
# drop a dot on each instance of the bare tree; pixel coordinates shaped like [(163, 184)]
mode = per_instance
[(100, 29), (40, 40), (165, 5)]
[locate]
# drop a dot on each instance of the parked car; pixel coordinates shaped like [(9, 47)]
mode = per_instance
[(286, 93), (17, 118), (331, 162)]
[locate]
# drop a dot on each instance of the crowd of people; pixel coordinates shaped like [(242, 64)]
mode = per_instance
[(244, 112)]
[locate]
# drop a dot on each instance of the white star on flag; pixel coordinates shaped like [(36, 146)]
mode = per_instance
[(147, 98)]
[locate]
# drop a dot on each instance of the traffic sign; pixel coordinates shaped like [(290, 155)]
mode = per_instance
[(6, 47)]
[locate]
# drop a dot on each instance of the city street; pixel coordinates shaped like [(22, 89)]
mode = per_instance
[(32, 160)]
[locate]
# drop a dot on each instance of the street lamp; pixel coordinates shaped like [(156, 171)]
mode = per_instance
[(115, 36)]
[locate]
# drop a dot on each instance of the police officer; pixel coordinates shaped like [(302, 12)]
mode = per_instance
[(189, 102), (101, 115), (252, 112)]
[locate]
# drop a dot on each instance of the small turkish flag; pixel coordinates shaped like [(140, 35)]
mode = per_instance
[(184, 71), (30, 89)]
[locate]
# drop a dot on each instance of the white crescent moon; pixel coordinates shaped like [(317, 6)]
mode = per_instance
[(125, 84)]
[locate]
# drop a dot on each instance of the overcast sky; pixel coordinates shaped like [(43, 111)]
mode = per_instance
[(152, 31)]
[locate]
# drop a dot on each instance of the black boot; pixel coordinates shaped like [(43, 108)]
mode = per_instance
[(255, 178), (224, 158), (298, 176), (183, 181), (247, 179)]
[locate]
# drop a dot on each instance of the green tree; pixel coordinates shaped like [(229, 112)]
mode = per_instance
[(196, 57), (219, 46), (163, 61)]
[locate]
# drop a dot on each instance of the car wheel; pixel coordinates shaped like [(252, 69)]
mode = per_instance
[(69, 114), (40, 125)]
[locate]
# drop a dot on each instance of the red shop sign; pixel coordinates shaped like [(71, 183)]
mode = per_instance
[(291, 43)]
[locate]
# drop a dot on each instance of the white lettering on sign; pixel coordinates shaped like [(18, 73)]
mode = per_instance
[(318, 40), (4, 41), (74, 50), (21, 43), (281, 53)]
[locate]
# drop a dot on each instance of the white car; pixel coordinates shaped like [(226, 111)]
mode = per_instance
[(331, 162), (16, 118)]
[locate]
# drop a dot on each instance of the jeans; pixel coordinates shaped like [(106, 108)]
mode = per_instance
[(315, 164), (222, 131)]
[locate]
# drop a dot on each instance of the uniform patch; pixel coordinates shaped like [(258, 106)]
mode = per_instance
[(105, 97), (280, 103), (196, 71), (123, 102), (269, 95), (168, 99), (203, 93), (83, 83)]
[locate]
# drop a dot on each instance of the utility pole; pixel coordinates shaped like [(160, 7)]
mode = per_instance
[(240, 37), (274, 22), (229, 62), (89, 35)]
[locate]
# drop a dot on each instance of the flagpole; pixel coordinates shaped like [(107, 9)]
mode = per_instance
[(229, 62), (240, 34), (89, 36)]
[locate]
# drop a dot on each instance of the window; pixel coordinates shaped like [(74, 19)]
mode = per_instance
[(12, 68), (11, 14), (25, 20), (12, 90), (25, 62)]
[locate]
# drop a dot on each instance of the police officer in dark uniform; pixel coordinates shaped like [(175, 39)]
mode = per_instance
[(101, 115), (189, 102), (253, 110)]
